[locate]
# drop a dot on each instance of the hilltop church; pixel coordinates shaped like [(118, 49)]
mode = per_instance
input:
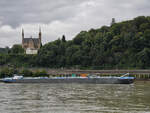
[(31, 45)]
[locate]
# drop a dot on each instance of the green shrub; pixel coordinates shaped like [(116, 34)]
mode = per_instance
[(41, 73), (26, 73), (7, 72)]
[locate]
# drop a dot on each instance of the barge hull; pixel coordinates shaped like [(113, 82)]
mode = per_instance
[(74, 80)]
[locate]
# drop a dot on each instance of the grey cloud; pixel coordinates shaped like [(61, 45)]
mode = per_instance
[(58, 17), (16, 12)]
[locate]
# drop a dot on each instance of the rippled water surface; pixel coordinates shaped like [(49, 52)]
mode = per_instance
[(75, 98)]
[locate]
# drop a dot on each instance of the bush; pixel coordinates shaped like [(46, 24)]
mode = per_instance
[(7, 72), (26, 73), (41, 73)]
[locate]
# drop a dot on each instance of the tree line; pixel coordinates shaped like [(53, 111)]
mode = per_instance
[(122, 45), (10, 71)]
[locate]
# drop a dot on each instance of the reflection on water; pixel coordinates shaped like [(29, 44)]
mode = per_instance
[(75, 98)]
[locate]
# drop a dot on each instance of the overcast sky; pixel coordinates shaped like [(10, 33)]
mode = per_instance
[(58, 17)]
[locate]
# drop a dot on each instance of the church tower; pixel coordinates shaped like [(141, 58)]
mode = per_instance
[(31, 45)]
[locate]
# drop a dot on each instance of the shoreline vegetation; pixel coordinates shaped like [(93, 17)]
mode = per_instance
[(120, 46)]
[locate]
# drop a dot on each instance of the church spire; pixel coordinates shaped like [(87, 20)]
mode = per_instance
[(39, 29), (22, 33), (40, 33), (22, 36)]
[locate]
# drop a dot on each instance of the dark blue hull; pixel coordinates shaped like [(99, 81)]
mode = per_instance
[(99, 80)]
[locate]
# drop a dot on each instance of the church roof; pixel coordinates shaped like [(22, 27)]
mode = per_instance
[(35, 41)]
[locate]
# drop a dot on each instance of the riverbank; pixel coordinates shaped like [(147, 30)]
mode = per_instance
[(139, 74), (35, 72)]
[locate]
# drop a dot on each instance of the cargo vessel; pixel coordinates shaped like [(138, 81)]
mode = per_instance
[(89, 79)]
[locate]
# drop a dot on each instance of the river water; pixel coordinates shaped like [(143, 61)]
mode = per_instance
[(75, 98)]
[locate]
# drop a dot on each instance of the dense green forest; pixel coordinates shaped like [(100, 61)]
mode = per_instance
[(123, 45)]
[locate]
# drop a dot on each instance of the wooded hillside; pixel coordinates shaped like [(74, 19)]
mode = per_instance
[(122, 45)]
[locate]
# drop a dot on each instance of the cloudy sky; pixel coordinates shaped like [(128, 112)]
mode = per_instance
[(58, 17)]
